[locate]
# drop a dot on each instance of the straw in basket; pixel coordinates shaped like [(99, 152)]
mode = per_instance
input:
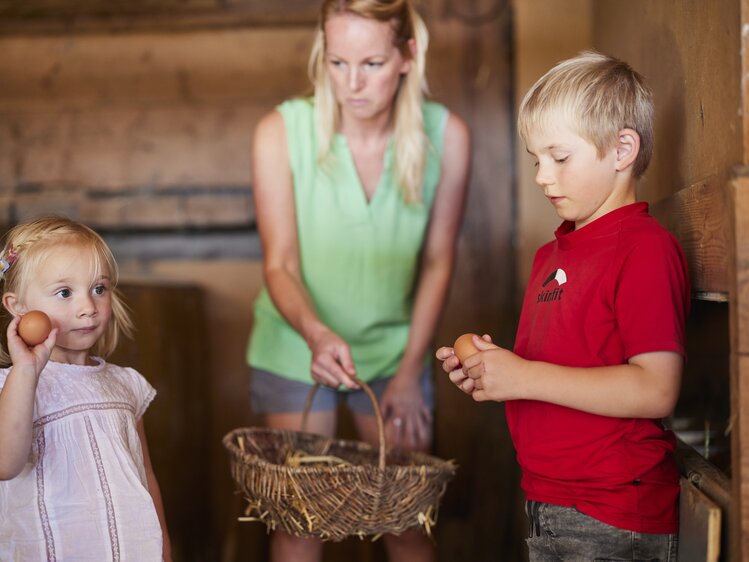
[(314, 486)]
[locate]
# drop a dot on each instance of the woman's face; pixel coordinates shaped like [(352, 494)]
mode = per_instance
[(364, 65)]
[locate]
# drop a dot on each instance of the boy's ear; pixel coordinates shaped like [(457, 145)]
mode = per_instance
[(12, 304), (627, 148)]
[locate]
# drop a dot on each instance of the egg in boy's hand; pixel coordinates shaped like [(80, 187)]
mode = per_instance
[(34, 327), (464, 347)]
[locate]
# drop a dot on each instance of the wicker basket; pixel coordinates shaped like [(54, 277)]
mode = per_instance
[(313, 486)]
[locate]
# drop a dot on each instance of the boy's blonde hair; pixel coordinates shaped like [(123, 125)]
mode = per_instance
[(599, 96), (410, 140), (28, 244)]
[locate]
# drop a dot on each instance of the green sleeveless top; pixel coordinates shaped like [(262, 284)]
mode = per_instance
[(359, 259)]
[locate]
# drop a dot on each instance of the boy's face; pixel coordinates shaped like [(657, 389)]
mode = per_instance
[(579, 184)]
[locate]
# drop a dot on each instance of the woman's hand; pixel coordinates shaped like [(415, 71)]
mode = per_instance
[(408, 419), (332, 364)]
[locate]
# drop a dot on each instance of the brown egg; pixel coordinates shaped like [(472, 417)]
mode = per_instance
[(34, 327), (464, 347)]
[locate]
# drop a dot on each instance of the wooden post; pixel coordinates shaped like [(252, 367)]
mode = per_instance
[(739, 319)]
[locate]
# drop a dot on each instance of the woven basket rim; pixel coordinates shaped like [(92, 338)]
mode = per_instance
[(436, 464)]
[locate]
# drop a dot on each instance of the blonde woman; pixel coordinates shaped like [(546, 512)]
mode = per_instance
[(359, 191)]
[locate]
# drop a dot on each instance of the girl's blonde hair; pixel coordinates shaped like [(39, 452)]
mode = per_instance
[(410, 140), (28, 244), (599, 96)]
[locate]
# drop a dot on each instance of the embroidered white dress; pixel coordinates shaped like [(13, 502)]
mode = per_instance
[(83, 494)]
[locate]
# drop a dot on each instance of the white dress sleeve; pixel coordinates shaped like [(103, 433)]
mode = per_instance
[(144, 392), (4, 376)]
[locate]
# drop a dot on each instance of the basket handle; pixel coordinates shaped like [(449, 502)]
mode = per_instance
[(378, 416)]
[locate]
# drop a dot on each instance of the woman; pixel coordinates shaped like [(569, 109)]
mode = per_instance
[(359, 193)]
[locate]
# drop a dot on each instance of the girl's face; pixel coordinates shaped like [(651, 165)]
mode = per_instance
[(77, 299), (364, 65)]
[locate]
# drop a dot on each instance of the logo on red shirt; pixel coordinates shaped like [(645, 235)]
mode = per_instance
[(554, 294)]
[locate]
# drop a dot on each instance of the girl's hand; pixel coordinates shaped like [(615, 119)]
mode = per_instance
[(332, 364), (22, 355), (408, 419)]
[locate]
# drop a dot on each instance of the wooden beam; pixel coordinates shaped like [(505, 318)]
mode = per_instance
[(738, 189), (705, 490), (696, 216), (703, 474), (739, 193), (96, 16), (745, 79), (699, 531)]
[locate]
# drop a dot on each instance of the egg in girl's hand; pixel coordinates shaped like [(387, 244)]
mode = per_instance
[(464, 347), (34, 327)]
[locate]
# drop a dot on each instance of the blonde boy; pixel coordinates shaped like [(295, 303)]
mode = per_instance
[(599, 351)]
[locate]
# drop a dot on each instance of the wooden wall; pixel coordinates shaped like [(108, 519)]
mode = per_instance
[(136, 117), (691, 54), (536, 51)]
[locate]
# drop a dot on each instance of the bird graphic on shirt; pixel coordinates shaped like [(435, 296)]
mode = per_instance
[(559, 275)]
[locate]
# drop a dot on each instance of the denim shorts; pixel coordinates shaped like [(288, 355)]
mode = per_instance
[(273, 394), (558, 533)]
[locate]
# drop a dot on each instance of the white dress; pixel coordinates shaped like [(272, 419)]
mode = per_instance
[(83, 494)]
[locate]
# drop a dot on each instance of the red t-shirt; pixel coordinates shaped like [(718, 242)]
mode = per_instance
[(597, 296)]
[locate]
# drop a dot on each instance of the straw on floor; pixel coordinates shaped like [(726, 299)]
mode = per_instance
[(314, 486)]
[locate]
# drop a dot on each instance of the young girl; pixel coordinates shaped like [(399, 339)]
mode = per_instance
[(77, 482)]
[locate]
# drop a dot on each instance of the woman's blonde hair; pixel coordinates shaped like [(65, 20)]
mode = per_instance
[(29, 244), (598, 95), (411, 142)]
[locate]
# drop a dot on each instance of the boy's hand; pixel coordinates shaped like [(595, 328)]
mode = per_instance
[(457, 372), (495, 373)]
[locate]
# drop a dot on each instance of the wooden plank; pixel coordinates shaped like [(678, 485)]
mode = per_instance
[(745, 80), (699, 530), (64, 16), (738, 190), (52, 73), (740, 457), (696, 216), (675, 44), (703, 475), (716, 487), (170, 350)]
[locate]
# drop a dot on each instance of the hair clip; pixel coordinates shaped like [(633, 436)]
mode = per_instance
[(8, 259)]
